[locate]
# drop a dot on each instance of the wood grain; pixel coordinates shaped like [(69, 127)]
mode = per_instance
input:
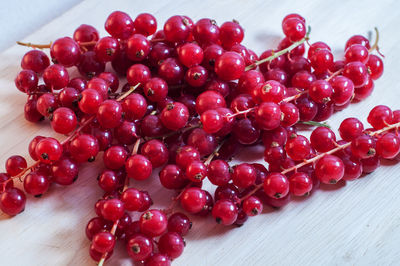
[(357, 224)]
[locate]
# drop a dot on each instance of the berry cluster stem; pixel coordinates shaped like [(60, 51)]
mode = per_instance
[(126, 186), (45, 46), (69, 138), (319, 156), (281, 52), (206, 163)]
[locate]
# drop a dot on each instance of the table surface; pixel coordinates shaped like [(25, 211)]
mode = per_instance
[(355, 224)]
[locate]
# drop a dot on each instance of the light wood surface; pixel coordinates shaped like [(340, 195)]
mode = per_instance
[(357, 224)]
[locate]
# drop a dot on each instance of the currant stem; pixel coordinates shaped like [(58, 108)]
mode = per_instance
[(45, 46), (334, 74), (215, 153), (126, 94), (314, 123), (319, 156), (126, 186), (206, 163), (281, 52), (294, 97), (375, 45), (19, 176), (38, 46)]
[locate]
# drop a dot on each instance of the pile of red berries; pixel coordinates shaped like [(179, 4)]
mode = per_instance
[(194, 97)]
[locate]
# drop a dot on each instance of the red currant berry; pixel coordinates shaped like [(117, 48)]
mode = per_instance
[(172, 177), (109, 114), (112, 209), (289, 114), (363, 92), (268, 115), (209, 100), (351, 128), (388, 146), (106, 49), (171, 244), (196, 171), (225, 212), (193, 199), (370, 164), (65, 51), (171, 71), (145, 24), (231, 33), (26, 81), (300, 184), (12, 201), (86, 33), (375, 66), (316, 47), (35, 60), (179, 223), (244, 175), (276, 185), (320, 91), (56, 76), (343, 90), (139, 247), (158, 260), (380, 116), (329, 169), (206, 31), (119, 25), (190, 54), (186, 155), (211, 54), (48, 150), (219, 172), (323, 139), (36, 184), (352, 168), (153, 223), (90, 101), (229, 66), (357, 39), (196, 76), (155, 89), (103, 242), (137, 48), (64, 171), (15, 165), (84, 148), (356, 52), (175, 116), (321, 60), (357, 72), (298, 147), (294, 29), (245, 131), (114, 157), (63, 120), (94, 226), (252, 206), (134, 107), (138, 167)]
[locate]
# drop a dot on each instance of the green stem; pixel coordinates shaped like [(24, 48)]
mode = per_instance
[(314, 123), (281, 52)]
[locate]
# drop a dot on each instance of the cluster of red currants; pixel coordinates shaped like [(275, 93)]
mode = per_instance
[(194, 96)]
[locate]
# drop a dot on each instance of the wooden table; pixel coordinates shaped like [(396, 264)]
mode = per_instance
[(357, 224)]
